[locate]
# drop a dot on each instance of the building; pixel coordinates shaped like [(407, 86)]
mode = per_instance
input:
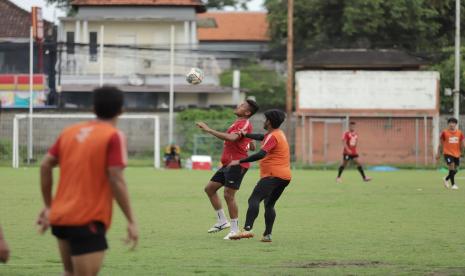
[(136, 53), (395, 106), (233, 36), (14, 57)]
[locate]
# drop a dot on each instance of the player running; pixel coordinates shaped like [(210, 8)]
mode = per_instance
[(91, 156), (349, 142), (452, 143), (235, 147), (275, 173)]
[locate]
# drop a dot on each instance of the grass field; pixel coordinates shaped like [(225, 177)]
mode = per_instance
[(402, 223)]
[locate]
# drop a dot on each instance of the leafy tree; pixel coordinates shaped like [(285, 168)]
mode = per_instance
[(409, 24), (267, 86)]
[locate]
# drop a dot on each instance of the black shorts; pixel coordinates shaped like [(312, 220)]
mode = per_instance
[(349, 157), (452, 160), (230, 177), (83, 239)]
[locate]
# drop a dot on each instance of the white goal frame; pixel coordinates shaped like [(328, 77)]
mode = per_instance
[(18, 117)]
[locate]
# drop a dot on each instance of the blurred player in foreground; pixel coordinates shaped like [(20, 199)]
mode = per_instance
[(349, 142), (452, 143), (275, 173), (4, 249), (91, 157), (235, 147)]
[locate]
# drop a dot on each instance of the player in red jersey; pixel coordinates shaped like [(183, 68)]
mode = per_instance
[(91, 157), (452, 143), (235, 148), (349, 142)]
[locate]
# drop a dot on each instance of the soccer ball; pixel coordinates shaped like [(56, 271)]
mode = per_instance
[(195, 76)]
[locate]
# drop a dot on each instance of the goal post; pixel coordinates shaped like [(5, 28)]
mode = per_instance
[(142, 133)]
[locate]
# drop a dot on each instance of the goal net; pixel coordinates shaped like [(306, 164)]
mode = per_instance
[(142, 133)]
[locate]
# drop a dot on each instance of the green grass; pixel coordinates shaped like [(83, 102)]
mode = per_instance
[(402, 223)]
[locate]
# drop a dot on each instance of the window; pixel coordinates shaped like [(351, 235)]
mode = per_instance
[(93, 46), (70, 42)]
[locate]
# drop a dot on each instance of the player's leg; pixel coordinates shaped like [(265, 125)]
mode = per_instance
[(360, 169), (211, 190), (65, 254), (451, 175), (261, 191), (453, 172), (345, 161), (88, 264), (233, 180), (270, 212)]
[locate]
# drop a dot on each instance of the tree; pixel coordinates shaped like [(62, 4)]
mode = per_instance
[(414, 25), (267, 86)]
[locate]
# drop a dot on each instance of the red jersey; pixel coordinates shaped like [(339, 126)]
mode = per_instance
[(350, 140), (84, 152), (237, 150)]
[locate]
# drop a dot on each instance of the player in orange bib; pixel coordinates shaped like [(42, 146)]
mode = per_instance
[(91, 157), (275, 173), (452, 143)]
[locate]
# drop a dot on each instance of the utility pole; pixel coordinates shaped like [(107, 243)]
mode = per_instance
[(457, 61), (290, 65)]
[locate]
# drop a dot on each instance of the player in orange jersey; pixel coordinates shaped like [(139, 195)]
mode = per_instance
[(452, 143), (91, 157), (275, 173)]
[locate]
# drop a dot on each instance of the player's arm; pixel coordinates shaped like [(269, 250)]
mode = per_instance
[(254, 136), (4, 249), (346, 147), (232, 137), (46, 178), (121, 195), (440, 146)]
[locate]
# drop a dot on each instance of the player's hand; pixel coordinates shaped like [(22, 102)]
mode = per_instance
[(242, 133), (43, 222), (4, 251), (234, 163), (133, 236), (203, 126)]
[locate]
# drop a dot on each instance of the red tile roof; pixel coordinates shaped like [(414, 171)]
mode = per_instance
[(235, 26), (14, 21), (199, 6)]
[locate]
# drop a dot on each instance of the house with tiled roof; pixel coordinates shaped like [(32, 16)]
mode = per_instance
[(136, 53), (233, 34)]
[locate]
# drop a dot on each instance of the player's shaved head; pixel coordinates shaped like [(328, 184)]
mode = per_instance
[(108, 102)]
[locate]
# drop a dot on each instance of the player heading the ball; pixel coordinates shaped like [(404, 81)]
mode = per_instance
[(235, 147)]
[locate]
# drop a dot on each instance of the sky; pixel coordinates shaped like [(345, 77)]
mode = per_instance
[(50, 13)]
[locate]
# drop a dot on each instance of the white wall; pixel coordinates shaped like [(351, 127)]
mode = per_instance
[(384, 90)]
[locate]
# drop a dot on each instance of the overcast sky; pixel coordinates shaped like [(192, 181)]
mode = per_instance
[(50, 12)]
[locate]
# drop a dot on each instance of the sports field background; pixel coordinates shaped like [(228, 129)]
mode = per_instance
[(402, 223)]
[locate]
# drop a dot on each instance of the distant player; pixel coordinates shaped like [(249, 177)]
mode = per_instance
[(275, 173), (4, 249), (235, 147), (452, 143), (349, 142), (91, 157)]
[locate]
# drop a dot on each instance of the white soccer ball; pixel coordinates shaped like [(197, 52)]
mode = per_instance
[(195, 76)]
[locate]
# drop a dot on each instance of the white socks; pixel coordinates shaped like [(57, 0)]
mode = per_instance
[(234, 225), (221, 216)]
